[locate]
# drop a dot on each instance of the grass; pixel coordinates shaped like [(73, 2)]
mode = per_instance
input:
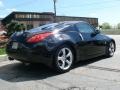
[(2, 51)]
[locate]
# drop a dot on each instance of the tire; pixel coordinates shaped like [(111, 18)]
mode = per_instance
[(64, 58), (110, 49)]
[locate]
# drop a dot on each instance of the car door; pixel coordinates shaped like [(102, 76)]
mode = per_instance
[(89, 44)]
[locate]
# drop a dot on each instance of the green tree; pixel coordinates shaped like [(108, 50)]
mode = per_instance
[(106, 26), (14, 27), (118, 25)]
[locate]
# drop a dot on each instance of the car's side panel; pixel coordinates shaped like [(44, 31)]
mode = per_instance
[(93, 44), (71, 38), (88, 45), (100, 43)]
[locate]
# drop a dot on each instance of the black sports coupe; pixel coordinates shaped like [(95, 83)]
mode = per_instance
[(59, 45)]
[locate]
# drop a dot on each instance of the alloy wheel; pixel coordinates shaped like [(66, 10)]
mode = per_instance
[(111, 49), (65, 58)]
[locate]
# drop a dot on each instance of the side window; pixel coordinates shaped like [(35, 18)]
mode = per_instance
[(84, 28), (70, 28)]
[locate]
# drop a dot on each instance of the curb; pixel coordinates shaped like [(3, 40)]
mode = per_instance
[(3, 55)]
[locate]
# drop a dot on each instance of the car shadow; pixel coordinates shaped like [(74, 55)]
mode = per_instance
[(89, 61), (17, 72)]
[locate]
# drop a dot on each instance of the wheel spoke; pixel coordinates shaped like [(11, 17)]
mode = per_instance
[(63, 51), (69, 54), (68, 62), (63, 64), (60, 58), (110, 49)]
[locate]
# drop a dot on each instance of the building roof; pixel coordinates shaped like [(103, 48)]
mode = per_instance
[(78, 17), (44, 13), (11, 15)]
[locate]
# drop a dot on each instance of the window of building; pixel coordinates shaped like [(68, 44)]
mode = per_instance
[(37, 16), (16, 16), (41, 24), (29, 26), (30, 15), (41, 16)]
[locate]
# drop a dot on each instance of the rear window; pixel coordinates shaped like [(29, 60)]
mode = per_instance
[(49, 27), (53, 26)]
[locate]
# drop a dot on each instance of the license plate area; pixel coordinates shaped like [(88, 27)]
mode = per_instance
[(15, 45)]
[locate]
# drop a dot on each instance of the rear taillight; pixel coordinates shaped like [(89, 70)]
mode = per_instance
[(38, 37)]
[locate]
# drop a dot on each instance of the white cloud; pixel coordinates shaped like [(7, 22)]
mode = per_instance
[(93, 15), (1, 4), (2, 16), (110, 15), (11, 9), (6, 12)]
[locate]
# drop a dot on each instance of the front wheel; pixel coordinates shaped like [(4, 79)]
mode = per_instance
[(63, 59), (110, 49)]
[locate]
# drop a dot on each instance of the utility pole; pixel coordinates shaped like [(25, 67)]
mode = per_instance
[(54, 1)]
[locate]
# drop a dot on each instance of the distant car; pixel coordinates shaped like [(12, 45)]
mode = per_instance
[(59, 45)]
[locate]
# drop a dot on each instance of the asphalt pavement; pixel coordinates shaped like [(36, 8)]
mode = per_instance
[(96, 74)]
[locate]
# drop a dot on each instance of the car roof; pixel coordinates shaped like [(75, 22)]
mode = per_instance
[(72, 22)]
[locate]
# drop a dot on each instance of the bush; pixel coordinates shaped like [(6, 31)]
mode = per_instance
[(2, 51), (106, 26), (14, 27)]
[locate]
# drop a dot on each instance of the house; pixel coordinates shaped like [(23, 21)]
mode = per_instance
[(36, 19)]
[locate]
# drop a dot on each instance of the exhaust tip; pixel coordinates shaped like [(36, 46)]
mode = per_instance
[(10, 58)]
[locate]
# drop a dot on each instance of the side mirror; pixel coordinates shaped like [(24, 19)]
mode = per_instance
[(97, 31)]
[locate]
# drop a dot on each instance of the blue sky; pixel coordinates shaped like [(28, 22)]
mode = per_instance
[(105, 10)]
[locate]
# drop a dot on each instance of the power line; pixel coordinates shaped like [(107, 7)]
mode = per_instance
[(103, 7), (90, 4), (30, 2)]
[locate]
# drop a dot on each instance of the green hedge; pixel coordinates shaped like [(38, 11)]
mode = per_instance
[(2, 51)]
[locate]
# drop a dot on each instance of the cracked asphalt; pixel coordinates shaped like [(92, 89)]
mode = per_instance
[(96, 74)]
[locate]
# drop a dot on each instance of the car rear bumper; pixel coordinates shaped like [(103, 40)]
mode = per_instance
[(34, 55)]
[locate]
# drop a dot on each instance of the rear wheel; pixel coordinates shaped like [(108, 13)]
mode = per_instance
[(63, 59), (110, 49)]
